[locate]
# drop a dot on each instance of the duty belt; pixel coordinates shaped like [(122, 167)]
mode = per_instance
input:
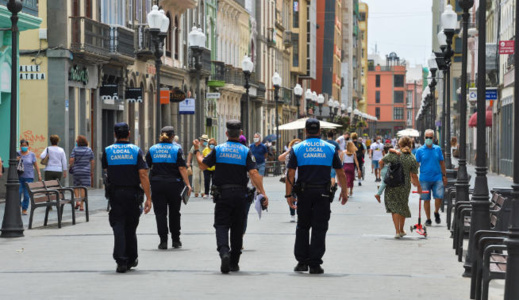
[(231, 186)]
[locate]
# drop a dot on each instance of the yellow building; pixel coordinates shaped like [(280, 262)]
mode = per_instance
[(363, 31)]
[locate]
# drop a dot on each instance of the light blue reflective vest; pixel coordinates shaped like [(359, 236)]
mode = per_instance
[(164, 153), (122, 154), (232, 153)]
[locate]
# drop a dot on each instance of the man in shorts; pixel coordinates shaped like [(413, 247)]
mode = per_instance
[(433, 175), (376, 153)]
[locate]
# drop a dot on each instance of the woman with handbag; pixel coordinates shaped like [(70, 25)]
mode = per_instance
[(81, 166), (27, 163), (396, 198), (55, 160), (350, 163)]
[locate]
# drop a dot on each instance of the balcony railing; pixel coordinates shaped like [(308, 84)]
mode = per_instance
[(234, 76), (287, 39), (29, 7), (90, 36), (285, 96), (261, 90), (144, 42), (205, 60), (217, 71), (121, 41), (271, 37)]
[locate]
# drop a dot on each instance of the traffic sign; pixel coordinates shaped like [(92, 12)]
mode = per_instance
[(491, 94), (212, 95)]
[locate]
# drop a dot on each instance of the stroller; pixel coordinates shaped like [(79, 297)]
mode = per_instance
[(420, 229)]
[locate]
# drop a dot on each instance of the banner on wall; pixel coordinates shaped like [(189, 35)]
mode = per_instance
[(133, 95), (109, 93), (187, 107)]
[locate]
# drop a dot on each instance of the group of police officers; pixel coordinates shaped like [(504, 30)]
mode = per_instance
[(128, 180)]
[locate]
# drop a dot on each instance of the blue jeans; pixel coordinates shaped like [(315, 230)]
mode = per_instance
[(261, 169), (24, 192), (435, 188)]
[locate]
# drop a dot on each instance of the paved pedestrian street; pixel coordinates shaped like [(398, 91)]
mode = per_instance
[(362, 261)]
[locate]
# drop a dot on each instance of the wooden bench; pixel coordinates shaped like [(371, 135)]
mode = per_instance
[(500, 213), (490, 262), (40, 196), (75, 194)]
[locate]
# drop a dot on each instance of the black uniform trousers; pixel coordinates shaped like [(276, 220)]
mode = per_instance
[(313, 212), (229, 215), (167, 194), (124, 215)]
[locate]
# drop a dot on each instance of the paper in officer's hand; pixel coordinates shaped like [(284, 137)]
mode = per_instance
[(257, 204)]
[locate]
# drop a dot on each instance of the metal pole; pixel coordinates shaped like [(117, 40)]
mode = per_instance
[(512, 242), (462, 182), (199, 115), (298, 103), (448, 161), (276, 99), (247, 87), (158, 63), (444, 119), (480, 204), (12, 225)]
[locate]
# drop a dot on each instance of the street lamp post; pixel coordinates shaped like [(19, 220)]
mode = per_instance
[(298, 92), (462, 181), (480, 204), (314, 101), (512, 242), (276, 81), (159, 25), (12, 225), (196, 42), (308, 97), (248, 67), (320, 102)]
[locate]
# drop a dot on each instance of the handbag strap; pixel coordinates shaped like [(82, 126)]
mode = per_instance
[(77, 159)]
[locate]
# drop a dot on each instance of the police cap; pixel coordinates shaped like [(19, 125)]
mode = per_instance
[(233, 124), (169, 130), (312, 126), (121, 127)]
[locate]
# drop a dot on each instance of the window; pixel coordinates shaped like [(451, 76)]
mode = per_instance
[(88, 9), (377, 97), (377, 112), (399, 80), (296, 14), (409, 98), (295, 49), (398, 113), (377, 81), (398, 97)]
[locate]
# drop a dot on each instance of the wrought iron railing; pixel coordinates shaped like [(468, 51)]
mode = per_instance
[(121, 41), (90, 36), (217, 71), (144, 42)]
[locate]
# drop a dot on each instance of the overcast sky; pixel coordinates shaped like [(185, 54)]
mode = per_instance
[(401, 26)]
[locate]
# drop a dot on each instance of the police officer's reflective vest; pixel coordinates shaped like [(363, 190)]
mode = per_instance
[(164, 153), (122, 154), (314, 152), (232, 153)]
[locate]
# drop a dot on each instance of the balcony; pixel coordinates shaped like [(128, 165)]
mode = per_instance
[(285, 96), (90, 37), (121, 42), (261, 90), (234, 76), (144, 43), (29, 7), (205, 60), (287, 39), (217, 78), (271, 37)]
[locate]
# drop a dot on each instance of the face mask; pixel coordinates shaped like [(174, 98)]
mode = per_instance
[(428, 142), (378, 141), (24, 149), (205, 143), (256, 140), (76, 144), (211, 146)]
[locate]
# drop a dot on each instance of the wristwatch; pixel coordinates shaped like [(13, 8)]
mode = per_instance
[(288, 196)]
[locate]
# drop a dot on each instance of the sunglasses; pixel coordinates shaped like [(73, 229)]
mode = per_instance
[(428, 137)]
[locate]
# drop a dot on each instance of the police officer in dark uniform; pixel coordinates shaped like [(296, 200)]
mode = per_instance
[(168, 177), (313, 158), (233, 160), (126, 169)]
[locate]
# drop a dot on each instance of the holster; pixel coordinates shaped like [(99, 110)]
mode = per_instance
[(333, 190), (215, 192), (250, 194)]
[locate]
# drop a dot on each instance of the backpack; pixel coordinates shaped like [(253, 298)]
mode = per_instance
[(395, 174)]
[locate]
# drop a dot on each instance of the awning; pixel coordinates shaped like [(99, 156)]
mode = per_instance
[(473, 121)]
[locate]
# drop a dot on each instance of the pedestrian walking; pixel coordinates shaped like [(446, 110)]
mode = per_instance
[(81, 167), (383, 170), (168, 177), (376, 153), (350, 164), (56, 160), (28, 160), (126, 169), (455, 147), (286, 158), (330, 140), (313, 158), (396, 199), (208, 173), (198, 175), (433, 175), (260, 152), (232, 160), (342, 140), (360, 153)]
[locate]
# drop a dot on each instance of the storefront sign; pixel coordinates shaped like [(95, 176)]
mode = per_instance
[(165, 95), (109, 93), (78, 74), (133, 95), (31, 72), (212, 95), (177, 95), (506, 47), (187, 107), (490, 94)]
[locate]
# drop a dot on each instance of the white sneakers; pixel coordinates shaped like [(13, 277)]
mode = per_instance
[(292, 219)]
